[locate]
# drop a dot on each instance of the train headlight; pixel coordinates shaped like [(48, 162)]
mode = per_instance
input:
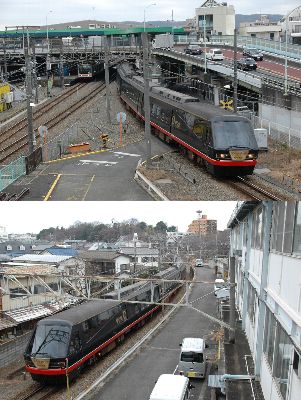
[(222, 156), (251, 156)]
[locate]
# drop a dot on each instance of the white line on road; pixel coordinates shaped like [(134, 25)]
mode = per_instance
[(85, 162), (120, 153)]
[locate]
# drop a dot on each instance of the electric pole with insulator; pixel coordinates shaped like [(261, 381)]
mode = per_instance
[(146, 77)]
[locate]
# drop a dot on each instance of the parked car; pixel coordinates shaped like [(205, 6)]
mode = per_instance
[(194, 49), (199, 262), (253, 53), (218, 284), (246, 64)]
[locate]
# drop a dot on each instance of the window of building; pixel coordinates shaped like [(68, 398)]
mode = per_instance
[(269, 336), (278, 225), (283, 350), (257, 229), (252, 303), (296, 362), (297, 231), (289, 227)]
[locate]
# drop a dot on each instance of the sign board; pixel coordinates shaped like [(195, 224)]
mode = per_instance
[(43, 130), (121, 116)]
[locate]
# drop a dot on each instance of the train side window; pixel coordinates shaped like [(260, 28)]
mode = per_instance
[(75, 344), (85, 326)]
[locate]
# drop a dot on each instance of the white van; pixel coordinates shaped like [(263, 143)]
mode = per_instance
[(171, 387), (215, 55), (192, 361), (218, 284)]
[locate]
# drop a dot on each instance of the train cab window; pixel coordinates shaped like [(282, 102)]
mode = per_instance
[(75, 344)]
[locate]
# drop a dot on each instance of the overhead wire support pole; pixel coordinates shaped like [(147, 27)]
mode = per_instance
[(235, 72), (285, 58), (146, 77), (61, 66), (232, 300), (29, 103), (205, 46), (107, 79)]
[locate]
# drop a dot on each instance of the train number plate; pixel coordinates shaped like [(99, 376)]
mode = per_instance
[(191, 374), (238, 155), (42, 363)]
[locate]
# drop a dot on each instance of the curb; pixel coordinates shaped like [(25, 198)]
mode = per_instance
[(148, 185)]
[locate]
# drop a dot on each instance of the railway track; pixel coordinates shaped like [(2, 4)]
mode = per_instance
[(10, 149), (254, 191), (40, 393), (12, 130)]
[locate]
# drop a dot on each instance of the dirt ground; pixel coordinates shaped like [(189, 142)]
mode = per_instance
[(281, 160)]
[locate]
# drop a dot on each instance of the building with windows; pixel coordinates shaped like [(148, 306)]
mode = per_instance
[(262, 29), (266, 247), (215, 18), (202, 226)]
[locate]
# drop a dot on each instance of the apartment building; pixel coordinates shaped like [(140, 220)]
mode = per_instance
[(266, 245)]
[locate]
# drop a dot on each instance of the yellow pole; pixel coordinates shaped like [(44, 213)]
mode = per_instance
[(120, 127), (67, 381)]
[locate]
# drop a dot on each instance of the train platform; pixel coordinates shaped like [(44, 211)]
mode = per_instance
[(101, 175)]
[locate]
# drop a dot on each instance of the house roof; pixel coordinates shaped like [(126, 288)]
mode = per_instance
[(96, 255), (15, 247), (24, 268), (6, 323), (140, 251), (61, 251), (43, 258), (41, 310)]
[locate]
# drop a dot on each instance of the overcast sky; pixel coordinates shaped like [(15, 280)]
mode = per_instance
[(33, 12), (34, 216)]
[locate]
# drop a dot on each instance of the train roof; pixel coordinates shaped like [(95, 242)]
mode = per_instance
[(200, 108), (77, 314)]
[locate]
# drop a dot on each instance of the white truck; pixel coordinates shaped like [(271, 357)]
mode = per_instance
[(163, 41)]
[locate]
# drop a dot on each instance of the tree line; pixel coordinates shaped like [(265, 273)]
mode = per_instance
[(98, 231)]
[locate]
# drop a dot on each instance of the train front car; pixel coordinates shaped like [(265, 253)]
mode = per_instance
[(47, 351), (85, 71), (234, 146)]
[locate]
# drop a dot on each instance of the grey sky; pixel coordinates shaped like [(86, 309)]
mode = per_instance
[(33, 12), (34, 216)]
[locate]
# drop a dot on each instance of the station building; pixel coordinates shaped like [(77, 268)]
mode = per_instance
[(266, 246)]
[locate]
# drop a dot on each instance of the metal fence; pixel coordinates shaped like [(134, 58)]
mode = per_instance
[(283, 134), (12, 171), (12, 350)]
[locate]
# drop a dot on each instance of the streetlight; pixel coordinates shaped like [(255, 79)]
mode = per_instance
[(285, 59), (152, 4), (47, 36), (199, 212), (205, 49)]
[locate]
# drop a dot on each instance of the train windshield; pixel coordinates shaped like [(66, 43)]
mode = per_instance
[(233, 134), (51, 340), (84, 69)]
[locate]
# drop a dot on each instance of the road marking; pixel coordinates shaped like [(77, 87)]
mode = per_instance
[(120, 153), (52, 187), (96, 162), (88, 188)]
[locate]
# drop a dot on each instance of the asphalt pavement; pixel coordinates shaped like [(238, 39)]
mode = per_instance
[(136, 379), (108, 175)]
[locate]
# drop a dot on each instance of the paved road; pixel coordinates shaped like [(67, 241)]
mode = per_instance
[(160, 355), (105, 176)]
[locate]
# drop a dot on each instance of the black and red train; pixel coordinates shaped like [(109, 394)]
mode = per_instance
[(69, 340), (221, 140)]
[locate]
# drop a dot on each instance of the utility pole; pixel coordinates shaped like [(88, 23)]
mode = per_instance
[(146, 77), (232, 300), (235, 72), (107, 79), (34, 72), (205, 46), (29, 102), (61, 66), (4, 59)]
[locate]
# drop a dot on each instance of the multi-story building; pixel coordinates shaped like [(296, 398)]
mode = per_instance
[(202, 226), (215, 18), (266, 245), (262, 29)]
